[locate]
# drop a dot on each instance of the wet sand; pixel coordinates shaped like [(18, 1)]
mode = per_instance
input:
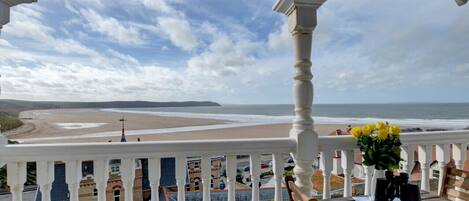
[(44, 124)]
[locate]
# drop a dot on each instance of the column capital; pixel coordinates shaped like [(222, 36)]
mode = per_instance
[(301, 14), (5, 9)]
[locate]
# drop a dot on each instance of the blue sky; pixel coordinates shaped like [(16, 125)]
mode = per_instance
[(233, 51)]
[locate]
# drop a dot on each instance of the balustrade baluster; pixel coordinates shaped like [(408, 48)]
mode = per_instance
[(326, 166), (368, 179), (101, 176), (127, 176), (16, 177), (206, 177), (73, 177), (443, 157), (45, 177), (154, 175), (231, 164), (407, 154), (279, 165), (181, 168), (459, 155), (255, 175), (425, 155), (347, 165)]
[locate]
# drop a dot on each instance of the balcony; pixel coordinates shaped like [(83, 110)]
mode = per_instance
[(447, 144)]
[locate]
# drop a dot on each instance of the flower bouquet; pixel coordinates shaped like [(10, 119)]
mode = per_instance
[(379, 144)]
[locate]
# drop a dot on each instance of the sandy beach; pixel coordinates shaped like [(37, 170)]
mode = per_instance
[(93, 125)]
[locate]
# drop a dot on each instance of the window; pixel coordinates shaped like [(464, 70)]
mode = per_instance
[(115, 169), (436, 173), (117, 195), (196, 184), (196, 165), (95, 192)]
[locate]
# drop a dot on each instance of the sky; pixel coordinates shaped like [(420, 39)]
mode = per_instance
[(240, 52)]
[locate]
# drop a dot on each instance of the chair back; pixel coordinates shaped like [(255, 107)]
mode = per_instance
[(455, 182)]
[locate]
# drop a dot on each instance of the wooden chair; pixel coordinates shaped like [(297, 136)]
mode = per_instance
[(453, 181), (294, 192)]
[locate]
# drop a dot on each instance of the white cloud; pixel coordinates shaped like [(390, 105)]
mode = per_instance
[(112, 28), (280, 40), (179, 32), (226, 54)]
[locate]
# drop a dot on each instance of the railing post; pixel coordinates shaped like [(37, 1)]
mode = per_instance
[(301, 23), (347, 165), (279, 165), (326, 164), (425, 155), (231, 176), (16, 177), (154, 175), (459, 155), (101, 176), (73, 177), (206, 177), (128, 176), (443, 157), (45, 177)]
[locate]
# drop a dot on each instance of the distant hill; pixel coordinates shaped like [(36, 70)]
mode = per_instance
[(14, 107)]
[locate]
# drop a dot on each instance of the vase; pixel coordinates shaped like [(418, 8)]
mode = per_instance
[(376, 175)]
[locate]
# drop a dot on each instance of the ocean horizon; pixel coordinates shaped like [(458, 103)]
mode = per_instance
[(425, 115)]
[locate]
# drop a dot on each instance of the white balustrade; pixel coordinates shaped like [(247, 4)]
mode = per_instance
[(16, 156)]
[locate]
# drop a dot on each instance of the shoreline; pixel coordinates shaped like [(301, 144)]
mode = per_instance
[(102, 125)]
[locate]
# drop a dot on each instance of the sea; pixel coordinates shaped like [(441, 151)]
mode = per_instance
[(418, 115)]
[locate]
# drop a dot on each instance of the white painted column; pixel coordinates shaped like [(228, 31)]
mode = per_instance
[(231, 164), (101, 177), (206, 177), (368, 178), (181, 169), (255, 161), (301, 23), (425, 156), (443, 157), (16, 177), (154, 175), (127, 169), (407, 154), (459, 155), (45, 178), (347, 165), (73, 177), (326, 165), (279, 166)]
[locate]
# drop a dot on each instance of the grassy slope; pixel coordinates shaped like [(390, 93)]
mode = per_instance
[(8, 122)]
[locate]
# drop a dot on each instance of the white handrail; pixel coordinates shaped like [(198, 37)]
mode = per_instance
[(411, 138), (83, 151)]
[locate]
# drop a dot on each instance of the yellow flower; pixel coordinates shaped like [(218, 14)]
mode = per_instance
[(367, 129), (356, 132), (394, 130), (383, 134), (381, 125)]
